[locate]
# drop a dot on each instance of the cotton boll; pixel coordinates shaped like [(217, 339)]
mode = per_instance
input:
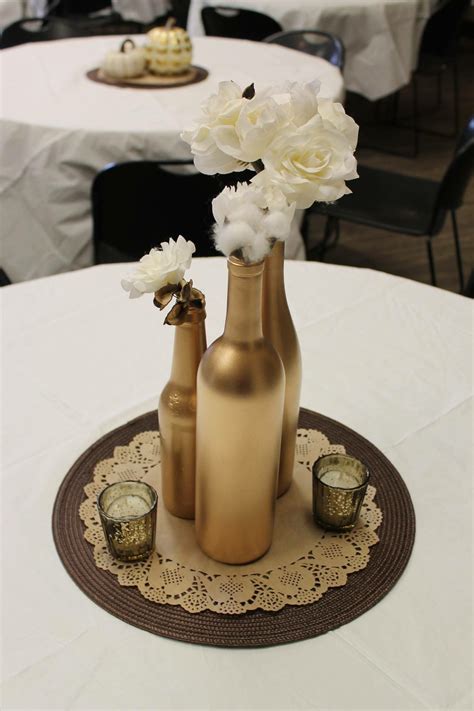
[(249, 213), (233, 236), (277, 224), (258, 248)]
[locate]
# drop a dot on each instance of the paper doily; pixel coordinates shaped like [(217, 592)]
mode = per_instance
[(302, 564)]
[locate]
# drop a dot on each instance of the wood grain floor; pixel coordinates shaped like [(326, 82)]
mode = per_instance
[(398, 254)]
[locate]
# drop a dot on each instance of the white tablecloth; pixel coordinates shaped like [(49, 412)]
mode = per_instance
[(59, 128), (388, 357), (381, 37), (142, 10)]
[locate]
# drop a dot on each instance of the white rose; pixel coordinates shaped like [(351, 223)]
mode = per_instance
[(259, 121), (213, 138), (334, 113), (298, 101), (248, 218), (310, 163), (161, 266)]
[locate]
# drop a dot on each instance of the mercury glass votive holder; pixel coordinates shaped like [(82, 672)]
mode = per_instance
[(339, 486), (127, 512)]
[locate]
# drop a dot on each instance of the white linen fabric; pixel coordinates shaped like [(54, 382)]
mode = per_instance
[(59, 128), (381, 37), (142, 11), (388, 357)]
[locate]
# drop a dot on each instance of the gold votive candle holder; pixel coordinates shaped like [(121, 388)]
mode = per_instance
[(339, 486), (127, 511)]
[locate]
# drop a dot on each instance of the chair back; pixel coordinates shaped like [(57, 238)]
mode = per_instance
[(36, 30), (76, 8), (138, 204), (112, 24), (320, 44), (442, 31), (237, 23), (456, 178)]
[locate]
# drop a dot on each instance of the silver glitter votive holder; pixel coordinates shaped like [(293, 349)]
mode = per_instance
[(339, 486), (127, 511)]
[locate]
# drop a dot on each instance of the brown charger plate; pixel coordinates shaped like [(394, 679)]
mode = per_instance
[(151, 81), (258, 628)]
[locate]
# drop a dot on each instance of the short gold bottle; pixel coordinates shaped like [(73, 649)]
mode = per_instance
[(278, 328), (177, 417), (240, 392)]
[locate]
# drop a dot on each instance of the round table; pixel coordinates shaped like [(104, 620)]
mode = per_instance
[(381, 37), (388, 357), (59, 128)]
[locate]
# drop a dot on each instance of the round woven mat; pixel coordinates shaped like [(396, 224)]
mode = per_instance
[(256, 628), (151, 81)]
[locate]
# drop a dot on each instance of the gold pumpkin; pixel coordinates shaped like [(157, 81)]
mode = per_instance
[(169, 50)]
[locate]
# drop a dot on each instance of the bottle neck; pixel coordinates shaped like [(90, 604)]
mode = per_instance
[(274, 296), (244, 301), (189, 345)]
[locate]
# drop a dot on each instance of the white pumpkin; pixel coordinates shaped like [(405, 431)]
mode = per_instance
[(128, 62), (169, 50)]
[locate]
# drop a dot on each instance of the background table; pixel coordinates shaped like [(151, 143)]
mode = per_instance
[(381, 37), (59, 128), (142, 11), (388, 357)]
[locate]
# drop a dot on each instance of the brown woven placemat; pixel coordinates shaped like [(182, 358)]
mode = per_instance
[(256, 628), (151, 81)]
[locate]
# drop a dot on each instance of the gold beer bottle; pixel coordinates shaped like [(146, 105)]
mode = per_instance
[(278, 328), (177, 417), (240, 390)]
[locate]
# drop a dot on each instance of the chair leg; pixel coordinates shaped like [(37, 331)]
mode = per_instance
[(458, 250), (456, 96), (431, 261), (439, 90), (332, 225), (416, 119)]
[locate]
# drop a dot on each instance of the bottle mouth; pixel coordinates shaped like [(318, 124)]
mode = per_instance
[(239, 268)]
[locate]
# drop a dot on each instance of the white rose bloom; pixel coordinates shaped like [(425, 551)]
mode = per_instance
[(213, 138), (334, 113), (310, 163), (161, 266), (248, 218), (298, 101), (259, 121)]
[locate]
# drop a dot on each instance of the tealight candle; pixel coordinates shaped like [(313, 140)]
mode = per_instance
[(127, 512), (339, 486)]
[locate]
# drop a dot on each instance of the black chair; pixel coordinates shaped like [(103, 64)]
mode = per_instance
[(319, 44), (55, 28), (180, 11), (36, 30), (78, 8), (405, 204), (111, 24), (237, 23), (4, 279), (137, 205), (437, 55)]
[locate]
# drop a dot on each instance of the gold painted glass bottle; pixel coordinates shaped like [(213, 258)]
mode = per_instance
[(240, 391), (177, 417), (279, 329)]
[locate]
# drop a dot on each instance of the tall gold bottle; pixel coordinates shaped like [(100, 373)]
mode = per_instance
[(278, 328), (177, 417), (240, 391)]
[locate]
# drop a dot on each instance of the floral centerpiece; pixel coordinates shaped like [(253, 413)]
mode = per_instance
[(301, 148)]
